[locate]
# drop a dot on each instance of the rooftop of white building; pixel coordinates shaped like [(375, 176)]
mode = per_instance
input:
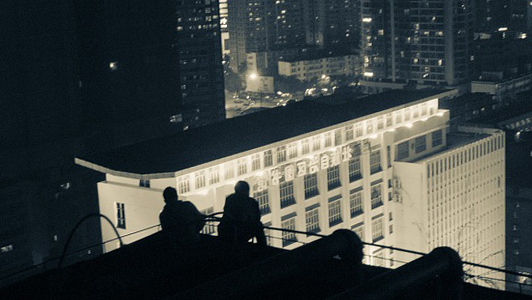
[(232, 136)]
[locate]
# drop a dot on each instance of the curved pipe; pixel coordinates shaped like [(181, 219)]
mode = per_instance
[(71, 235)]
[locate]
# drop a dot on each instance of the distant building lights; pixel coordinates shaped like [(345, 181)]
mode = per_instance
[(368, 74), (409, 125), (253, 76), (367, 20), (503, 29)]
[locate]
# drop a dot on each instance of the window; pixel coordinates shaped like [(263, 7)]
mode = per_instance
[(255, 162), (183, 184), (312, 218), (389, 120), (358, 229), (398, 117), (355, 203), (335, 210), (378, 260), (376, 195), (209, 228), (214, 176), (349, 133), (328, 139), (311, 185), (437, 138), (358, 130), (268, 159), (390, 230), (264, 201), (369, 126), (403, 150), (292, 150), (200, 179), (421, 144), (287, 193), (333, 177), (268, 233), (354, 169), (377, 229), (281, 154), (229, 171), (390, 216), (337, 137), (389, 156), (380, 123), (289, 237), (407, 114), (316, 143), (305, 147), (120, 215), (375, 161), (144, 183)]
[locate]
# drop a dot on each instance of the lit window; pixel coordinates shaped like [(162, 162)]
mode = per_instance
[(389, 120), (183, 184), (264, 201), (335, 211), (328, 139), (369, 127), (268, 158), (311, 185), (200, 179), (113, 66), (255, 162), (289, 237), (316, 143), (377, 229), (281, 154), (355, 203), (312, 218), (305, 147), (214, 175), (333, 177), (380, 123), (120, 215), (287, 193), (292, 150), (242, 166), (376, 195), (229, 171)]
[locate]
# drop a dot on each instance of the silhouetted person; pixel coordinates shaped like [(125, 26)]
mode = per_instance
[(241, 219), (180, 220)]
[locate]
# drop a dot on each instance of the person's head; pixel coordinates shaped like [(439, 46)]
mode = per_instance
[(242, 188), (169, 194)]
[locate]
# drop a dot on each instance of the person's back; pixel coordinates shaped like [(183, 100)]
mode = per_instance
[(181, 222), (241, 219)]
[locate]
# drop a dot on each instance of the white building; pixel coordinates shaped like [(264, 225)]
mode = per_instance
[(384, 167), (309, 69)]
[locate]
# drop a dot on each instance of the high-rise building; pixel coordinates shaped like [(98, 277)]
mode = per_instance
[(391, 171), (503, 15), (262, 25), (419, 42)]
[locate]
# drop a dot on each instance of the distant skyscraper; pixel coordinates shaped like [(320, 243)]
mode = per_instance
[(263, 25), (425, 42), (503, 15)]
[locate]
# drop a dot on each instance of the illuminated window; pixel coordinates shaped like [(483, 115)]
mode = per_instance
[(421, 144), (337, 137), (292, 150), (242, 166), (289, 237), (255, 162), (369, 126), (349, 133), (377, 229), (376, 195), (328, 139), (389, 120), (209, 228), (375, 161), (403, 150), (437, 138), (359, 230), (355, 203), (311, 185), (113, 66), (287, 193), (229, 171), (120, 215), (305, 147), (281, 154), (214, 175), (333, 177), (380, 123), (268, 158), (183, 184), (264, 201), (312, 218), (358, 130), (335, 210), (316, 143), (200, 179), (354, 169)]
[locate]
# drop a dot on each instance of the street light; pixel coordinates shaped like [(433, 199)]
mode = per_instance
[(254, 76)]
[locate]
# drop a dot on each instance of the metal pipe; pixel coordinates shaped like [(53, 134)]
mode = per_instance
[(443, 262), (260, 275)]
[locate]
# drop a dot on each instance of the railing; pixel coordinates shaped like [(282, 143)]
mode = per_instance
[(489, 276)]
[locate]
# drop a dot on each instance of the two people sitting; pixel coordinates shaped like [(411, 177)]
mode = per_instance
[(181, 221)]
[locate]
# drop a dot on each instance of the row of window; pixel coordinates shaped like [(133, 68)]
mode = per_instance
[(419, 144)]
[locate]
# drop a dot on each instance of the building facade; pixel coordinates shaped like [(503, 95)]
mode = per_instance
[(420, 42), (309, 69), (395, 177)]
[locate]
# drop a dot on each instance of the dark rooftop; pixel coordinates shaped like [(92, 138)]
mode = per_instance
[(214, 141)]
